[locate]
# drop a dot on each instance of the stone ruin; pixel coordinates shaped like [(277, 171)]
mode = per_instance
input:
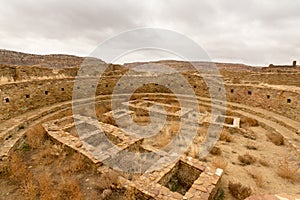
[(39, 95)]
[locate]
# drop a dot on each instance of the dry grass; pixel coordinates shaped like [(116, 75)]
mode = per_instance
[(258, 178), (264, 162), (47, 154), (220, 163), (77, 163), (30, 189), (287, 171), (251, 146), (226, 136), (35, 136), (276, 138), (70, 189), (106, 180), (46, 186), (17, 169), (248, 122), (216, 151), (247, 159), (239, 191), (4, 167)]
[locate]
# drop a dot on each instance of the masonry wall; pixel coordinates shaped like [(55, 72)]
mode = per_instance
[(20, 97)]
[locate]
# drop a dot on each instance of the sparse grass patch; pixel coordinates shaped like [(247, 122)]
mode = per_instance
[(287, 171), (258, 178), (247, 159), (77, 163), (47, 153), (220, 163), (35, 136), (264, 162), (226, 136), (251, 146), (248, 122), (4, 167), (239, 191), (70, 189), (276, 138), (216, 151), (17, 168), (106, 180)]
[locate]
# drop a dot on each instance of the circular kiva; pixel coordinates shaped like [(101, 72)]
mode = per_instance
[(161, 75)]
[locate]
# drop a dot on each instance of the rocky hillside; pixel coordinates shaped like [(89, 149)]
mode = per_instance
[(48, 61)]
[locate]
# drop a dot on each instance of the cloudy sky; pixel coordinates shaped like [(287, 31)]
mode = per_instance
[(254, 32)]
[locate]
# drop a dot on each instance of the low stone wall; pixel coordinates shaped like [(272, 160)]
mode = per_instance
[(22, 96)]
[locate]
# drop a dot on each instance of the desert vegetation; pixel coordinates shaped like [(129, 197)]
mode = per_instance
[(40, 168)]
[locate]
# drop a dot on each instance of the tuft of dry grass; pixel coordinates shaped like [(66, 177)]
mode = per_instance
[(248, 122), (220, 163), (251, 146), (4, 167), (264, 163), (30, 189), (46, 186), (17, 168), (48, 153), (287, 171), (69, 188), (247, 159), (239, 191), (216, 151), (106, 180), (78, 163), (35, 136), (258, 178), (226, 136), (276, 138)]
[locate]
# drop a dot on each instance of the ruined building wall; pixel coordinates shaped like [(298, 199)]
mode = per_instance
[(262, 76), (20, 97)]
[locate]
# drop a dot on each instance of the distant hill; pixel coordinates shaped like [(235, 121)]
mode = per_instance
[(188, 66), (49, 61)]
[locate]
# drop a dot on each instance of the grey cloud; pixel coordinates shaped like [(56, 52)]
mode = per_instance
[(250, 31)]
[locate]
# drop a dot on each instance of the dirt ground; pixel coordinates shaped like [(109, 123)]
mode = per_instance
[(40, 168)]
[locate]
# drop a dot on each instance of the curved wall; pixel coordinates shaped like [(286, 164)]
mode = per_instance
[(20, 97)]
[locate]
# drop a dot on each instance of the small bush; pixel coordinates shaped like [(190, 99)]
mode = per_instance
[(106, 180), (77, 163), (226, 136), (30, 189), (193, 151), (287, 171), (220, 163), (216, 151), (247, 159), (70, 189), (251, 146), (239, 191), (35, 136), (18, 169), (248, 122), (4, 167), (276, 138)]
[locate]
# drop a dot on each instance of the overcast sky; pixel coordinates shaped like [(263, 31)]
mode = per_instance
[(256, 32)]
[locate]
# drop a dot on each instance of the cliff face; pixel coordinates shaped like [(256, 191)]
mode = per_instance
[(48, 61)]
